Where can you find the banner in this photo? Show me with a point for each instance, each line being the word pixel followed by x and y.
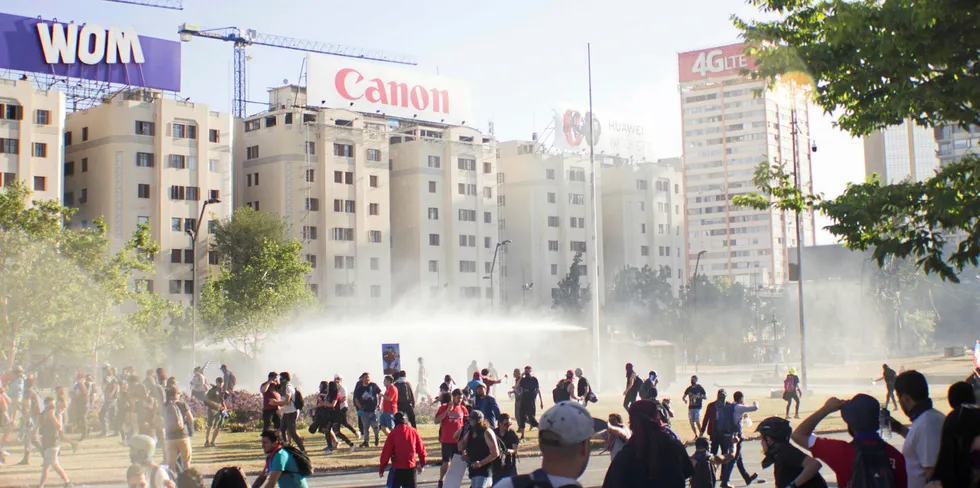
pixel 391 358
pixel 614 135
pixel 89 52
pixel 716 62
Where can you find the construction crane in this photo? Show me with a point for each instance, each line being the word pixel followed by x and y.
pixel 170 4
pixel 252 37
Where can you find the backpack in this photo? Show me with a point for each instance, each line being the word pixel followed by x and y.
pixel 499 462
pixel 302 460
pixel 560 393
pixel 173 419
pixel 298 400
pixel 537 479
pixel 405 396
pixel 704 475
pixel 725 420
pixel 872 467
pixel 789 386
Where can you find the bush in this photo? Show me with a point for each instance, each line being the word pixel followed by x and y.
pixel 244 407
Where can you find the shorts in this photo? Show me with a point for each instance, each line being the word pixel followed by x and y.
pixel 50 456
pixel 694 415
pixel 449 449
pixel 215 419
pixel 387 420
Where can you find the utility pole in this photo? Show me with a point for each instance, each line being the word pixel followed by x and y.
pixel 595 232
pixel 795 131
pixel 193 233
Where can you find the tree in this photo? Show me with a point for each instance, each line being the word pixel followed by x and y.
pixel 879 64
pixel 571 297
pixel 254 293
pixel 644 299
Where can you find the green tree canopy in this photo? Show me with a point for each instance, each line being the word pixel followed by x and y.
pixel 644 300
pixel 571 298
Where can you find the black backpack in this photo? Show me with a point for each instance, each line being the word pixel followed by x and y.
pixel 560 393
pixel 302 460
pixel 298 400
pixel 405 396
pixel 537 479
pixel 872 467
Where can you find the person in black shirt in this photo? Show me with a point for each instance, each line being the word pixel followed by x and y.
pixel 447 386
pixel 530 390
pixel 215 401
pixel 652 457
pixel 506 464
pixel 366 396
pixel 889 376
pixel 479 445
pixel 584 389
pixel 694 395
pixel 791 466
pixel 633 384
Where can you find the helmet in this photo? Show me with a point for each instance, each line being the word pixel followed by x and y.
pixel 142 444
pixel 775 427
pixel 792 370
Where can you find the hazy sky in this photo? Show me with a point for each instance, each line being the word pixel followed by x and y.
pixel 521 58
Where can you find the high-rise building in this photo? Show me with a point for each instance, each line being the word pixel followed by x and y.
pixel 444 197
pixel 325 171
pixel 139 158
pixel 954 142
pixel 546 213
pixel 899 152
pixel 731 123
pixel 31 124
pixel 642 218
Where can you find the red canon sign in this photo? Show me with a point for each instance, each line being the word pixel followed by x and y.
pixel 352 86
pixel 713 63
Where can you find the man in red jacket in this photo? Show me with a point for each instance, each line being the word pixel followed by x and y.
pixel 401 447
pixel 708 423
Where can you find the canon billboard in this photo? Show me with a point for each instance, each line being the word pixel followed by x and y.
pixel 364 86
pixel 614 135
pixel 89 52
pixel 715 62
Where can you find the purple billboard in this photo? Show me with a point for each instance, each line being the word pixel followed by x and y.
pixel 88 51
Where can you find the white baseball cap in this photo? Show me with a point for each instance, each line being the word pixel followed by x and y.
pixel 566 424
pixel 337 377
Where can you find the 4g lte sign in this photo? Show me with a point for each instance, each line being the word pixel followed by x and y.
pixel 712 63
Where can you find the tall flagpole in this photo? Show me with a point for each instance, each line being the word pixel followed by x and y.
pixel 596 289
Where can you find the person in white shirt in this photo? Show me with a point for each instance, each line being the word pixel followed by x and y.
pixel 922 437
pixel 289 413
pixel 343 406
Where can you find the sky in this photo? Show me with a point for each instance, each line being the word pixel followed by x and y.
pixel 520 58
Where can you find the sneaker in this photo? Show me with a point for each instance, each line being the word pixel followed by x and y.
pixel 365 444
pixel 797 417
pixel 753 478
pixel 328 451
pixel 352 448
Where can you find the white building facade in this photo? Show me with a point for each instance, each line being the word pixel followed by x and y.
pixel 31 124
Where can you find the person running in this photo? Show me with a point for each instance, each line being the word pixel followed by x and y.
pixel 450 418
pixel 389 406
pixel 704 465
pixel 506 465
pixel 792 391
pixel 217 410
pixel 565 389
pixel 922 437
pixel 402 446
pixel 584 389
pixel 649 387
pixel 889 376
pixel 617 435
pixel 422 385
pixel 479 446
pixel 791 466
pixel 711 419
pixel 633 384
pixel 337 416
pixel 515 393
pixel 530 391
pixel 289 411
pixel 177 424
pixel 281 468
pixel 199 384
pixel 861 414
pixel 80 405
pixel 489 378
pixel 487 405
pixel 652 457
pixel 566 430
pixel 343 408
pixel 270 402
pixel 50 429
pixel 406 397
pixel 694 395
pixel 738 411
pixel 323 416
pixel 366 399
pixel 110 391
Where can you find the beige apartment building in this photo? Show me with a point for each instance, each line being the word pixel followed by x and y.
pixel 141 158
pixel 325 171
pixel 906 151
pixel 31 123
pixel 727 131
pixel 546 213
pixel 955 142
pixel 643 218
pixel 444 217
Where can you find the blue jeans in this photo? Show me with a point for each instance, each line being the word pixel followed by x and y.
pixel 480 482
pixel 369 420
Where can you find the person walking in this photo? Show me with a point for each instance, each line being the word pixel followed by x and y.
pixel 406 397
pixel 923 436
pixel 450 418
pixel 711 418
pixel 566 430
pixel 506 465
pixel 792 391
pixel 31 412
pixel 366 399
pixel 694 395
pixel 229 381
pixel 889 376
pixel 217 411
pixel 422 385
pixel 323 415
pixel 487 405
pixel 343 407
pixel 50 429
pixel 530 391
pixel 633 385
pixel 199 384
pixel 565 389
pixel 479 446
pixel 584 389
pixel 178 425
pixel 653 457
pixel 791 466
pixel 389 406
pixel 79 406
pixel 738 410
pixel 282 469
pixel 515 393
pixel 289 411
pixel 649 387
pixel 402 446
pixel 270 402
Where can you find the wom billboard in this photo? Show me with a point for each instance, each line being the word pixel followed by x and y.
pixel 614 135
pixel 714 62
pixel 89 52
pixel 364 86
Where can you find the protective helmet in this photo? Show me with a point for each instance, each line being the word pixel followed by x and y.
pixel 143 443
pixel 776 428
pixel 792 370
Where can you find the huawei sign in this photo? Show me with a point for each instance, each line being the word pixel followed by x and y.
pixel 376 88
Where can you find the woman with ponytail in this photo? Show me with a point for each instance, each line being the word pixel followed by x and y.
pixel 653 457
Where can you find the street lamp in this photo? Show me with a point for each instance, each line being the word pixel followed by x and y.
pixel 493 265
pixel 194 233
pixel 692 286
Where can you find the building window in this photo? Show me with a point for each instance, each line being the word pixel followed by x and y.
pixel 375 264
pixel 643 228
pixel 42 117
pixel 660 228
pixel 677 188
pixel 145 128
pixel 644 250
pixel 310 175
pixel 466 164
pixel 314 288
pixel 193 193
pixel 214 135
pixel 144 160
pixel 213 258
pixel 467 266
pixel 373 181
pixel 313 204
pixel 501 200
pixel 214 195
pixel 69 168
pixel 188 256
pixel 178 192
pixel 309 232
pixel 311 258
pixel 184 131
pixel 487 192
pixel 251 125
pixel 467 215
pixel 552 198
pixel 142 191
pixel 549 174
pixel 311 148
pixel 432 187
pixel 487 218
pixel 40 183
pixel 487 168
pixel 433 239
pixel 175 255
pixel 9 146
pixel 13 112
pixel 348 178
pixel 554 270
pixel 374 236
pixel 252 152
pixel 576 174
pixel 270 121
pixel 9 179
pixel 84 134
pixel 374 154
pixel 84 165
pixel 338 176
pixel 374 209
pixel 178 161
pixel 141 220
pixel 576 222
pixel 338 262
pixel 69 199
pixel 433 213
pixel 40 150
pixel 342 234
pixel 577 246
pixel 553 221
pixel 288 119
pixel 66 138
pixel 576 199
pixel 467 240
pixel 553 245
pixel 433 266
pixel 435 162
pixel 175 286
pixel 641 184
pixel 190 224
pixel 82 198
pixel 213 165
pixel 188 287
pixel 344 206
pixel 343 150
pixel 375 291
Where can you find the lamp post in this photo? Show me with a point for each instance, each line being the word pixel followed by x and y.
pixel 493 265
pixel 692 285
pixel 194 233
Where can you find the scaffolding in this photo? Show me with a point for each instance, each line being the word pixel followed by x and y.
pixel 82 94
